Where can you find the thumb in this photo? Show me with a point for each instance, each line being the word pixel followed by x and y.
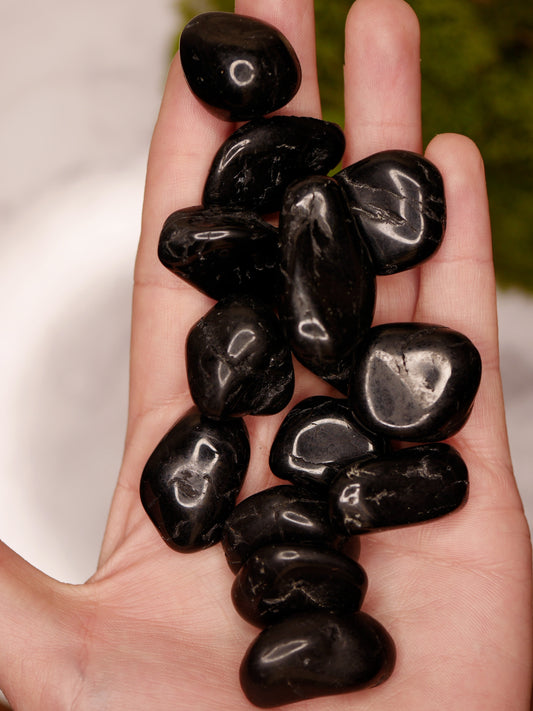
pixel 40 649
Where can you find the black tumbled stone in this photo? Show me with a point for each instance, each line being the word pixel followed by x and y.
pixel 238 362
pixel 414 382
pixel 406 487
pixel 238 66
pixel 282 514
pixel 328 291
pixel 255 165
pixel 397 200
pixel 317 434
pixel 222 252
pixel 191 481
pixel 316 654
pixel 279 580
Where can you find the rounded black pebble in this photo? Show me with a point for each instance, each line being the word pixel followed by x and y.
pixel 222 252
pixel 409 486
pixel 281 514
pixel 279 580
pixel 414 382
pixel 239 67
pixel 316 654
pixel 398 203
pixel 328 290
pixel 191 481
pixel 238 361
pixel 254 166
pixel 317 434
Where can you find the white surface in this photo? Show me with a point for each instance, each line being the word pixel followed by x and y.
pixel 515 318
pixel 77 108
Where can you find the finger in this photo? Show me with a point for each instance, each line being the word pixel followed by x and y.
pixel 382 78
pixel 37 635
pixel 382 109
pixel 164 307
pixel 186 137
pixel 185 140
pixel 458 289
pixel 457 286
pixel 296 20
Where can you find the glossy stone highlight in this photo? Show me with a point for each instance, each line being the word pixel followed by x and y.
pixel 414 382
pixel 316 654
pixel 238 362
pixel 239 67
pixel 397 200
pixel 279 580
pixel 222 252
pixel 409 486
pixel 318 433
pixel 191 481
pixel 328 292
pixel 282 515
pixel 255 165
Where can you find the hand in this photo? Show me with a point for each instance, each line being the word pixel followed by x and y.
pixel 155 629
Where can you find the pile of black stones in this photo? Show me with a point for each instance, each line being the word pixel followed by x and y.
pixel 304 289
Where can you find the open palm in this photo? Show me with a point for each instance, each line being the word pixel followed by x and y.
pixel 154 629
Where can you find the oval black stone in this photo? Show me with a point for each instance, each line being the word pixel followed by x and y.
pixel 414 382
pixel 238 362
pixel 222 252
pixel 317 434
pixel 316 654
pixel 238 66
pixel 406 487
pixel 254 166
pixel 281 514
pixel 328 295
pixel 191 481
pixel 280 580
pixel 397 200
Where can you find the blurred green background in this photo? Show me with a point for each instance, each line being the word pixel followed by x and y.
pixel 477 79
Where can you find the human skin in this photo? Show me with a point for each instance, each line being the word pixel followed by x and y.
pixel 155 629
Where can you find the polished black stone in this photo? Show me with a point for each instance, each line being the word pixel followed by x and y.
pixel 327 299
pixel 414 382
pixel 397 200
pixel 259 160
pixel 279 580
pixel 317 434
pixel 316 654
pixel 409 486
pixel 238 66
pixel 191 481
pixel 238 362
pixel 282 514
pixel 222 252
